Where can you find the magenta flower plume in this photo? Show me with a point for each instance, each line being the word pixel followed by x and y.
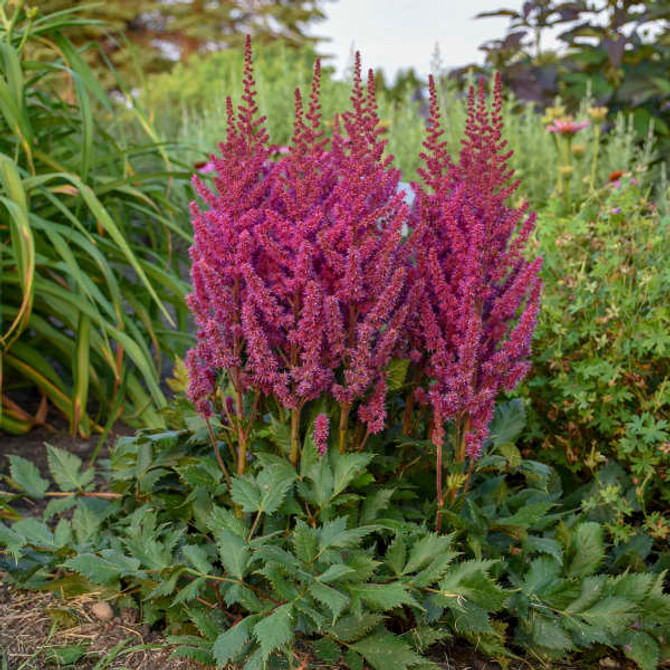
pixel 321 432
pixel 299 268
pixel 567 126
pixel 480 295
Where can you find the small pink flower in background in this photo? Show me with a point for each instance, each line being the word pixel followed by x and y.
pixel 320 434
pixel 203 167
pixel 566 126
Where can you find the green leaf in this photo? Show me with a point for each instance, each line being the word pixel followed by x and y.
pixel 425 550
pixel 228 646
pixel 641 648
pixel 396 555
pixel 334 573
pixel 396 373
pixel 383 597
pixel 305 542
pixel 246 494
pixel 508 422
pixel 612 614
pixel 273 484
pixel 335 600
pixel 103 569
pixel 384 651
pixel 35 532
pixel 589 549
pixel 233 552
pixel 547 633
pixel 87 519
pixel 276 630
pixel 65 468
pixel 27 477
pixel 345 469
pixel 197 558
pixel 12 541
pixel 351 628
pixel 373 504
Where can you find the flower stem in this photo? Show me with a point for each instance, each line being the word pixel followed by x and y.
pixel 344 420
pixel 295 436
pixel 438 486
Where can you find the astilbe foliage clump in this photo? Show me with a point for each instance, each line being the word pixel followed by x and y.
pixel 306 289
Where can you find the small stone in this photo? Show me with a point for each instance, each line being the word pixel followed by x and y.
pixel 102 611
pixel 608 662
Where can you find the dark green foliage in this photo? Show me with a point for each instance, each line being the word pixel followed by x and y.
pixel 314 556
pixel 618 49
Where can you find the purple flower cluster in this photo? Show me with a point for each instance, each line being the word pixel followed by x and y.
pixel 480 296
pixel 302 282
pixel 299 271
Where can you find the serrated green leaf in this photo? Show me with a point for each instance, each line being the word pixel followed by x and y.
pixel 27 477
pixel 334 573
pixel 396 555
pixel 589 549
pixel 233 552
pixel 373 504
pixel 592 587
pixel 103 569
pixel 273 485
pixel 246 494
pixel 425 550
pixel 508 422
pixel 305 542
pixel 346 467
pixel 11 541
pixel 228 645
pixel 396 373
pixel 335 600
pixel 383 597
pixel 384 651
pixel 547 633
pixel 275 631
pixel 65 468
pixel 87 519
pixel 35 532
pixel 351 628
pixel 612 614
pixel 197 558
pixel 221 518
pixel 641 648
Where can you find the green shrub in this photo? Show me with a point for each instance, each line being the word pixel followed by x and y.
pixel 90 229
pixel 599 387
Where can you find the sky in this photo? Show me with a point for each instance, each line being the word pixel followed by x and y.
pixel 397 34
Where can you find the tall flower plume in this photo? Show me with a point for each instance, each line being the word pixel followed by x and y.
pixel 480 295
pixel 299 270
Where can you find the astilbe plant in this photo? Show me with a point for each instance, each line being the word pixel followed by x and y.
pixel 303 282
pixel 299 270
pixel 480 295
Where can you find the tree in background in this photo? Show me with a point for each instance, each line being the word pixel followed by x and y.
pixel 165 31
pixel 622 47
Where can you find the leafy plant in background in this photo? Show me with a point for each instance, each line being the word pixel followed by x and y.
pixel 599 389
pixel 89 241
pixel 616 48
pixel 148 36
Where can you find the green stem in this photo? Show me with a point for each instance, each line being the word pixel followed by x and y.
pixel 344 420
pixel 295 436
pixel 594 162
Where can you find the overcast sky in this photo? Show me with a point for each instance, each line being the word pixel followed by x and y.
pixel 395 34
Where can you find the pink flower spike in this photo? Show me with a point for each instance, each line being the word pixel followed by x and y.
pixel 321 432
